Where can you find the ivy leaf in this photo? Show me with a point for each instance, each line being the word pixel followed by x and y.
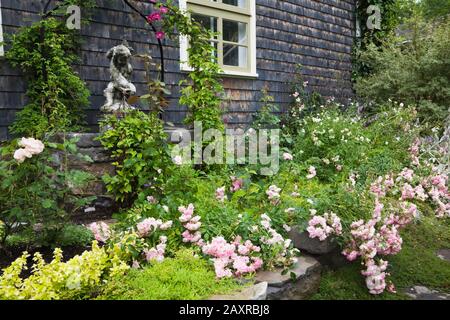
pixel 47 203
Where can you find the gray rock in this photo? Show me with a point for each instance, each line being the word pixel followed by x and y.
pixel 86 140
pixel 424 293
pixel 96 169
pixel 98 155
pixel 255 292
pixel 334 259
pixel 444 254
pixel 302 241
pixel 306 280
pixel 92 188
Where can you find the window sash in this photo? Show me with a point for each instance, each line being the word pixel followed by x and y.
pixel 222 6
pixel 218 9
pixel 231 16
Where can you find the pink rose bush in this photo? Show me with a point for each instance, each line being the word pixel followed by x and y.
pixel 100 230
pixel 380 235
pixel 276 250
pixel 156 254
pixel 371 239
pixel 192 225
pixel 233 259
pixel 273 194
pixel 236 184
pixel 311 173
pixel 220 194
pixel 322 227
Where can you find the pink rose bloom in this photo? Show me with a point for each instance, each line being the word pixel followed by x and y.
pixel 193 226
pixel 220 194
pixel 236 184
pixel 166 225
pixel 187 211
pixel 407 192
pixel 312 172
pixel 243 250
pixel 160 35
pixel 100 231
pixel 288 156
pixel 155 16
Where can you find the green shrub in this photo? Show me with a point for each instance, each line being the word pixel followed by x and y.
pixel 138 145
pixel 77 278
pixel 416 72
pixel 35 194
pixel 201 90
pixel 70 235
pixel 45 52
pixel 184 277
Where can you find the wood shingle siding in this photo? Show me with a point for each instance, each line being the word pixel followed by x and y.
pixel 317 34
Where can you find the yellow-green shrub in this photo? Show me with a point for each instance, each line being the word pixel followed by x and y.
pixel 77 278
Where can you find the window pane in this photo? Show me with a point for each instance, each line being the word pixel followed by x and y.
pixel 234 55
pixel 237 3
pixel 234 31
pixel 210 23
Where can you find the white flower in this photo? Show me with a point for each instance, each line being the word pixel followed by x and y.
pixel 288 156
pixel 178 160
pixel 21 154
pixel 32 145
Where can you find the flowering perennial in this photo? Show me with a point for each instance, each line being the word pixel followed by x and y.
pixel 322 227
pixel 29 148
pixel 156 254
pixel 273 193
pixel 192 224
pixel 233 259
pixel 100 230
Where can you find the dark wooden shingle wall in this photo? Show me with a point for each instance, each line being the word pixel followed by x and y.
pixel 318 34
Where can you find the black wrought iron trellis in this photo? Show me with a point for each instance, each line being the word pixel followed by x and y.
pixel 48 13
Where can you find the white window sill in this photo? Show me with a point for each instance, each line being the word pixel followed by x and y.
pixel 229 74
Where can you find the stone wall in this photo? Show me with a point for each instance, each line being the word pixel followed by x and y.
pixel 104 206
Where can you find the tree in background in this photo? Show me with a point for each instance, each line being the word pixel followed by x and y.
pixel 432 9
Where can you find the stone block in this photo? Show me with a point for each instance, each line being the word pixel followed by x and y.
pixel 306 281
pixel 303 242
pixel 253 293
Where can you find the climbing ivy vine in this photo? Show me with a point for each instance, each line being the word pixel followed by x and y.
pixel 201 91
pixel 45 52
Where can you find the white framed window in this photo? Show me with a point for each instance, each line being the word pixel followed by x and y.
pixel 2 51
pixel 235 23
